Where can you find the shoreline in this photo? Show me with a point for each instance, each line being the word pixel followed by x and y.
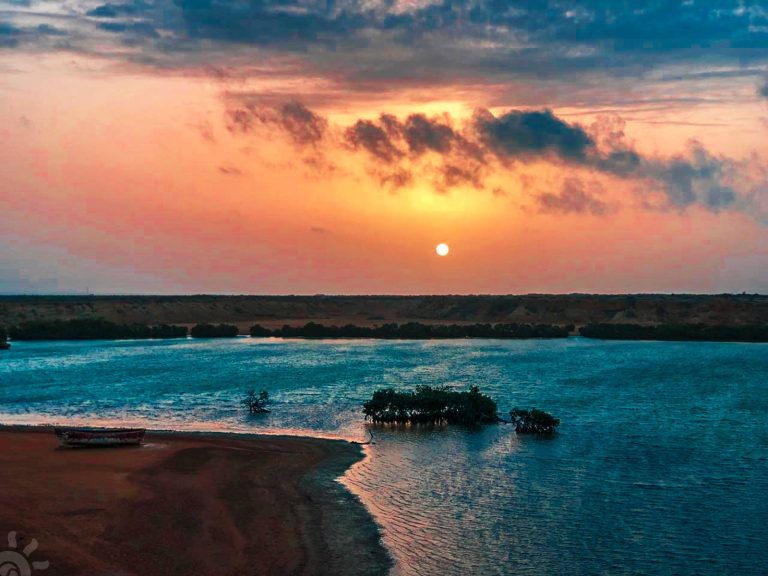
pixel 188 502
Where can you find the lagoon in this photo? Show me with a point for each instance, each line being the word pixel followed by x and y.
pixel 660 465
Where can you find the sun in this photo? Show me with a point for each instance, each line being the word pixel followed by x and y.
pixel 442 249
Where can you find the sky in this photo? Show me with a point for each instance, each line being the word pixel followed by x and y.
pixel 303 147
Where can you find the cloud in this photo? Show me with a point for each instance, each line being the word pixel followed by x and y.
pixel 572 198
pixel 518 134
pixel 304 127
pixel 394 179
pixel 762 90
pixel 369 136
pixel 118 10
pixel 230 170
pixel 381 45
pixel 453 176
pixel 12 36
pixel 423 134
pixel 469 154
pixel 698 177
pixel 9 35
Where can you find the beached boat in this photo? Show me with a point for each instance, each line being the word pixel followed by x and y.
pixel 100 436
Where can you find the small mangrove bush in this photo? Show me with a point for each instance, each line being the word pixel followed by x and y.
pixel 256 403
pixel 430 405
pixel 533 421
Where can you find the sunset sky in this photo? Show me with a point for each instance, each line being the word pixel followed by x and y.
pixel 301 147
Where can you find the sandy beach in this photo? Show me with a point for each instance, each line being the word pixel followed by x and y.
pixel 186 504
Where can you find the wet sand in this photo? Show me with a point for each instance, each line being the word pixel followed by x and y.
pixel 186 504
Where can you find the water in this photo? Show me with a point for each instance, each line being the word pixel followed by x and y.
pixel 660 467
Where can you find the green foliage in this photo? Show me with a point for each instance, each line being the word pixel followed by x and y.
pixel 431 405
pixel 214 331
pixel 256 403
pixel 415 331
pixel 92 329
pixel 533 421
pixel 678 332
pixel 258 331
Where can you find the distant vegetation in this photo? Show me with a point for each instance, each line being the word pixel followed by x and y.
pixel 430 405
pixel 687 332
pixel 256 403
pixel 214 331
pixel 92 329
pixel 415 331
pixel 533 421
pixel 3 339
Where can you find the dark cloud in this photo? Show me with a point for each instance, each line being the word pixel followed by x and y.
pixel 295 24
pixel 698 177
pixel 762 90
pixel 135 29
pixel 519 134
pixel 10 35
pixel 423 134
pixel 383 45
pixel 572 198
pixel 303 126
pixel 118 10
pixel 467 155
pixel 389 138
pixel 454 176
pixel 371 137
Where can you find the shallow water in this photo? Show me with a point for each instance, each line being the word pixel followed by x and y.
pixel 660 467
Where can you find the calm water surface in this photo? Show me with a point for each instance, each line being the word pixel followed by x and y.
pixel 661 465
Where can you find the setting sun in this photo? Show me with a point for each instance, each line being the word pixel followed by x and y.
pixel 442 249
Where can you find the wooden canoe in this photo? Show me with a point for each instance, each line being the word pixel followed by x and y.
pixel 100 436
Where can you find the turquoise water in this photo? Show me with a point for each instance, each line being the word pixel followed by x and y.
pixel 661 465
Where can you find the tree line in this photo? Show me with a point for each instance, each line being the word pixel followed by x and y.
pixel 101 329
pixel 415 331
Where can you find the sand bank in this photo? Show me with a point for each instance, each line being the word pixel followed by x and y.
pixel 186 504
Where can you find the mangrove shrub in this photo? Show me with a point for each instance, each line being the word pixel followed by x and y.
pixel 430 405
pixel 533 421
pixel 256 403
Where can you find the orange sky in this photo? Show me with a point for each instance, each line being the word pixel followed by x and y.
pixel 119 177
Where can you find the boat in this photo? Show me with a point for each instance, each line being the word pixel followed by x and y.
pixel 100 436
pixel 4 345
